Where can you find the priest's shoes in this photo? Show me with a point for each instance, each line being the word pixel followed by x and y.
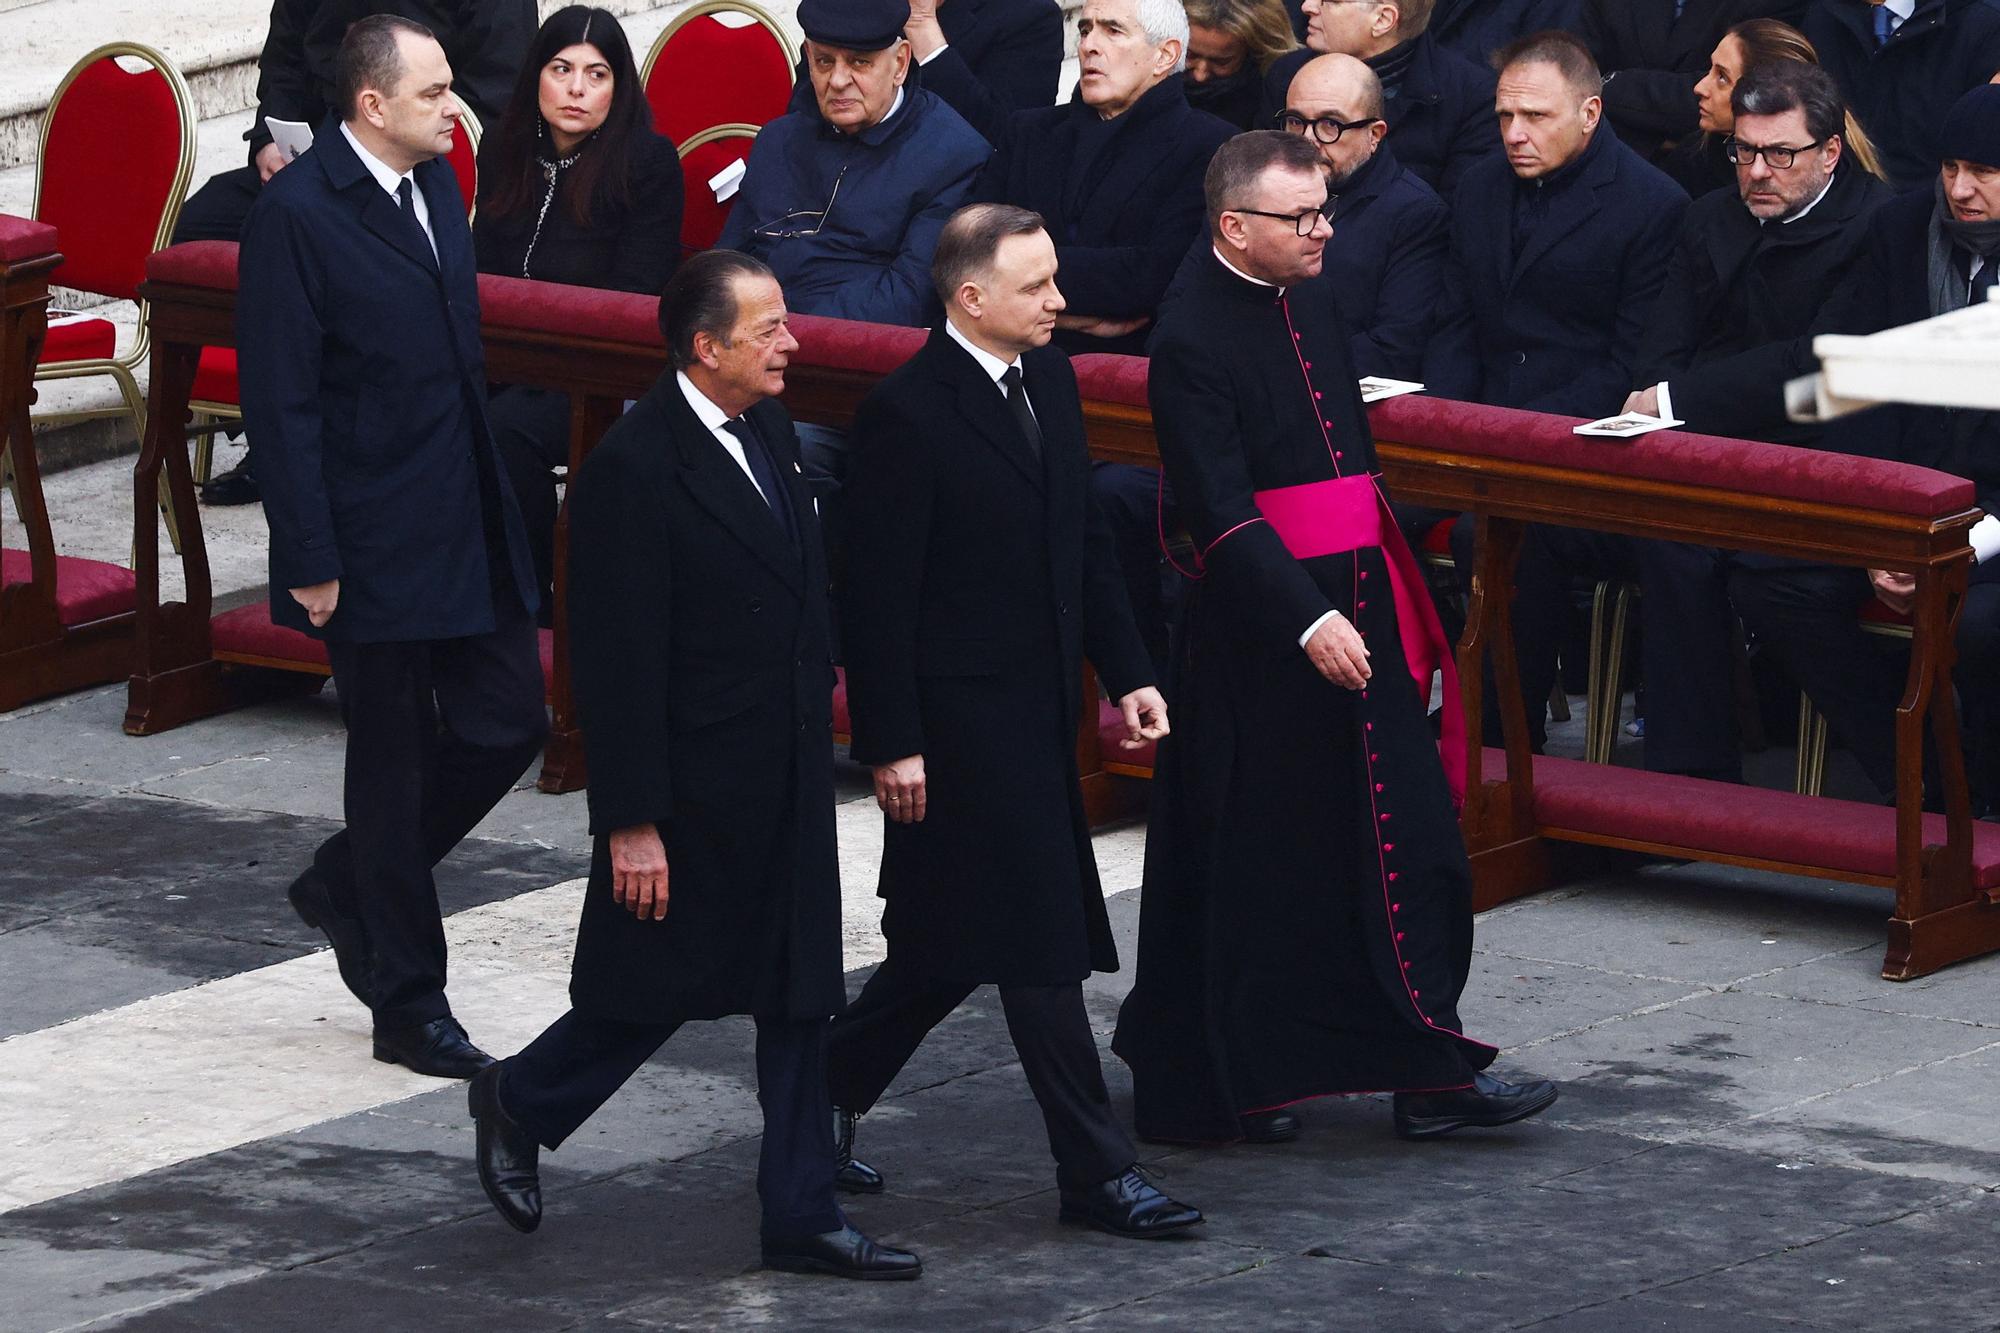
pixel 313 901
pixel 1270 1127
pixel 509 1169
pixel 849 1175
pixel 1128 1205
pixel 439 1048
pixel 842 1253
pixel 1486 1104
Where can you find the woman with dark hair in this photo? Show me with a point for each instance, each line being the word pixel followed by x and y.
pixel 574 187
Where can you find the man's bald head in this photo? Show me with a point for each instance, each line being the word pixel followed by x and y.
pixel 1336 102
pixel 1337 80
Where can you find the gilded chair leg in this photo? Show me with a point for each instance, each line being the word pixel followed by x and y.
pixel 1558 702
pixel 1610 606
pixel 1809 773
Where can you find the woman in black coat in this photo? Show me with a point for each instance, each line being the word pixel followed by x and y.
pixel 574 187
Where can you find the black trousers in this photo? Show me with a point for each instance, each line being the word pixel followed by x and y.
pixel 870 1043
pixel 531 434
pixel 437 732
pixel 574 1067
pixel 1137 504
pixel 217 210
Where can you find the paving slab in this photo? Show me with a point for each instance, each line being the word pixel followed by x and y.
pixel 84 738
pixel 59 1286
pixel 315 1301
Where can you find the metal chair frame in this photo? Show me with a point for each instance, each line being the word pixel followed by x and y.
pixel 707 7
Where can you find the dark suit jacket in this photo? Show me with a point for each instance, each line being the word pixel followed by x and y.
pixel 977 580
pixel 485 40
pixel 1476 29
pixel 1440 120
pixel 1741 295
pixel 1386 264
pixel 364 384
pixel 1122 221
pixel 698 637
pixel 1652 61
pixel 1558 327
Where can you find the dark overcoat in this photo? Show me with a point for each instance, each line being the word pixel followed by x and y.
pixel 698 642
pixel 1440 118
pixel 1901 90
pixel 1739 296
pixel 1554 324
pixel 1386 264
pixel 1476 29
pixel 364 386
pixel 1306 927
pixel 977 581
pixel 1122 218
pixel 1653 60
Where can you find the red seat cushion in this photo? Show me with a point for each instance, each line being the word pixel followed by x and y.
pixel 843 723
pixel 215 377
pixel 86 590
pixel 1111 730
pixel 108 169
pixel 1874 613
pixel 1438 540
pixel 710 73
pixel 248 632
pixel 702 218
pixel 464 165
pixel 79 339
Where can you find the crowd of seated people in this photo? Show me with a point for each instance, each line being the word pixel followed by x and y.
pixel 1578 207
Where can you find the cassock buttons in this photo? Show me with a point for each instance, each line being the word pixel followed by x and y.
pixel 1364 573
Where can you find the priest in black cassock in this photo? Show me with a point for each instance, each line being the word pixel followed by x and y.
pixel 1306 927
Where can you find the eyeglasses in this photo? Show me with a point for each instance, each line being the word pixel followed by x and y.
pixel 1325 129
pixel 1303 223
pixel 778 228
pixel 1776 156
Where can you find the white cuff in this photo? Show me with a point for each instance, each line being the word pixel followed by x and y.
pixel 1313 628
pixel 925 60
pixel 1985 539
pixel 1666 398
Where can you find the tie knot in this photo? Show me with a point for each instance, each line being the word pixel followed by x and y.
pixel 738 427
pixel 1011 377
pixel 405 192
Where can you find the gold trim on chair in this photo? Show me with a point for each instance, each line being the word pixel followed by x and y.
pixel 734 129
pixel 687 16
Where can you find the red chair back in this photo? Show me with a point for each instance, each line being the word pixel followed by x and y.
pixel 720 63
pixel 464 154
pixel 706 154
pixel 116 154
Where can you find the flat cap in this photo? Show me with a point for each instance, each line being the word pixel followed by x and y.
pixel 857 25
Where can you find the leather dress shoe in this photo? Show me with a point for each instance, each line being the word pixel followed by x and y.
pixel 849 1175
pixel 439 1048
pixel 1127 1205
pixel 508 1155
pixel 313 901
pixel 1486 1104
pixel 238 486
pixel 1270 1127
pixel 842 1253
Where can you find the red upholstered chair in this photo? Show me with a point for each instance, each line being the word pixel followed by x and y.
pixel 464 154
pixel 117 151
pixel 719 63
pixel 1809 777
pixel 702 214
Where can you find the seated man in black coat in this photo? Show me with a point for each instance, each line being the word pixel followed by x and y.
pixel 1926 253
pixel 1653 52
pixel 1559 252
pixel 1116 172
pixel 1476 29
pixel 1902 64
pixel 1439 105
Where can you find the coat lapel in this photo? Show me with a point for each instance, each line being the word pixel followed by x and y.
pixel 1574 208
pixel 719 486
pixel 981 405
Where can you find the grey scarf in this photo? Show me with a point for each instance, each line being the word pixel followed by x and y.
pixel 1949 289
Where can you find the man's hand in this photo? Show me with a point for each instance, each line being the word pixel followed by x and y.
pixel 1101 328
pixel 899 789
pixel 1645 400
pixel 639 871
pixel 270 160
pixel 1337 651
pixel 1895 590
pixel 1145 717
pixel 922 31
pixel 319 600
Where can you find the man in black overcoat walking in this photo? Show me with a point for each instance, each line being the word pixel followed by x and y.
pixel 976 583
pixel 394 537
pixel 698 629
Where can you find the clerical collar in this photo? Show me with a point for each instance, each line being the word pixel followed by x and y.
pixel 1217 252
pixel 991 364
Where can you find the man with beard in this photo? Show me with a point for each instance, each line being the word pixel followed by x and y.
pixel 1306 927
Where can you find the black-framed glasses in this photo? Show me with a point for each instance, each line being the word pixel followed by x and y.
pixel 1303 223
pixel 1323 128
pixel 1776 156
pixel 801 221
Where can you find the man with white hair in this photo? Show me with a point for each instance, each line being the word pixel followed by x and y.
pixel 1116 172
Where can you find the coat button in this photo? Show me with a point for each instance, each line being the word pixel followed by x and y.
pixel 756 605
pixel 1062 608
pixel 1520 358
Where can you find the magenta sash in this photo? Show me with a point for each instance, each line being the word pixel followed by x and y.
pixel 1346 514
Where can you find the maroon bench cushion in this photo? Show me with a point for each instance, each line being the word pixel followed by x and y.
pixel 195 264
pixel 846 344
pixel 24 238
pixel 248 632
pixel 86 590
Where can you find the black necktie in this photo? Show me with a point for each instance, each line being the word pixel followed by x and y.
pixel 766 473
pixel 406 199
pixel 1024 416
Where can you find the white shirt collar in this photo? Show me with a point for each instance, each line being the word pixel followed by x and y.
pixel 1902 9
pixel 1241 274
pixel 991 364
pixel 1824 191
pixel 705 411
pixel 384 175
pixel 894 107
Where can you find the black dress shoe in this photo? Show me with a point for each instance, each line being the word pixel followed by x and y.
pixel 313 901
pixel 1484 1105
pixel 849 1175
pixel 238 486
pixel 439 1048
pixel 842 1253
pixel 1127 1205
pixel 1270 1127
pixel 508 1155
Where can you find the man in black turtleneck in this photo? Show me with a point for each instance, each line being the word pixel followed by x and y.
pixel 1116 173
pixel 1438 106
